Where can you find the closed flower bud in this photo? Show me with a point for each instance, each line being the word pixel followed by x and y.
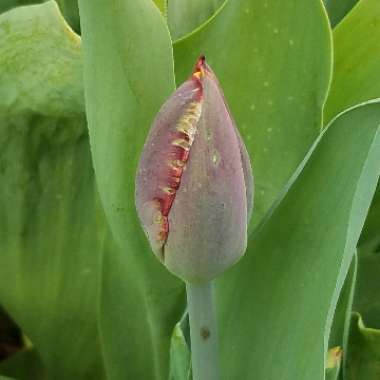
pixel 194 186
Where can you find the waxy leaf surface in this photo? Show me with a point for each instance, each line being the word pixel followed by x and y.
pixel 50 237
pixel 128 74
pixel 294 279
pixel 356 59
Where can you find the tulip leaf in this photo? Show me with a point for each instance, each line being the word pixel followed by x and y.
pixel 51 229
pixel 186 15
pixel 286 288
pixel 277 108
pixel 356 59
pixel 27 35
pixel 128 74
pixel 363 361
pixel 338 9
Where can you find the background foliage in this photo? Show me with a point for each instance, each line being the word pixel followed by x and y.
pixel 82 296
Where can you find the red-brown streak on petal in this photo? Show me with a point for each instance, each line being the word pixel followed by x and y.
pixel 176 153
pixel 173 178
pixel 164 157
pixel 165 164
pixel 182 135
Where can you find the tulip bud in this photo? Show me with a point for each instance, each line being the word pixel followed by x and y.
pixel 194 187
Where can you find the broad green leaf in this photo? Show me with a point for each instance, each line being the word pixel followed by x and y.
pixel 363 361
pixel 277 303
pixel 356 59
pixel 51 231
pixel 272 59
pixel 28 35
pixel 128 73
pixel 186 15
pixel 338 9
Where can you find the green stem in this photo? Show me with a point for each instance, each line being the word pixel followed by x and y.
pixel 203 332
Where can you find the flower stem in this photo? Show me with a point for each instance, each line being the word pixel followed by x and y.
pixel 203 334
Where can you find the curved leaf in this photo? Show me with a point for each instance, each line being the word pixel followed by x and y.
pixel 28 36
pixel 277 302
pixel 128 73
pixel 50 235
pixel 356 59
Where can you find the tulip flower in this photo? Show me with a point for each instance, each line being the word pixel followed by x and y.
pixel 194 185
pixel 194 193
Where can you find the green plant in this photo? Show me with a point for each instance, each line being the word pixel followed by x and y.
pixel 76 271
